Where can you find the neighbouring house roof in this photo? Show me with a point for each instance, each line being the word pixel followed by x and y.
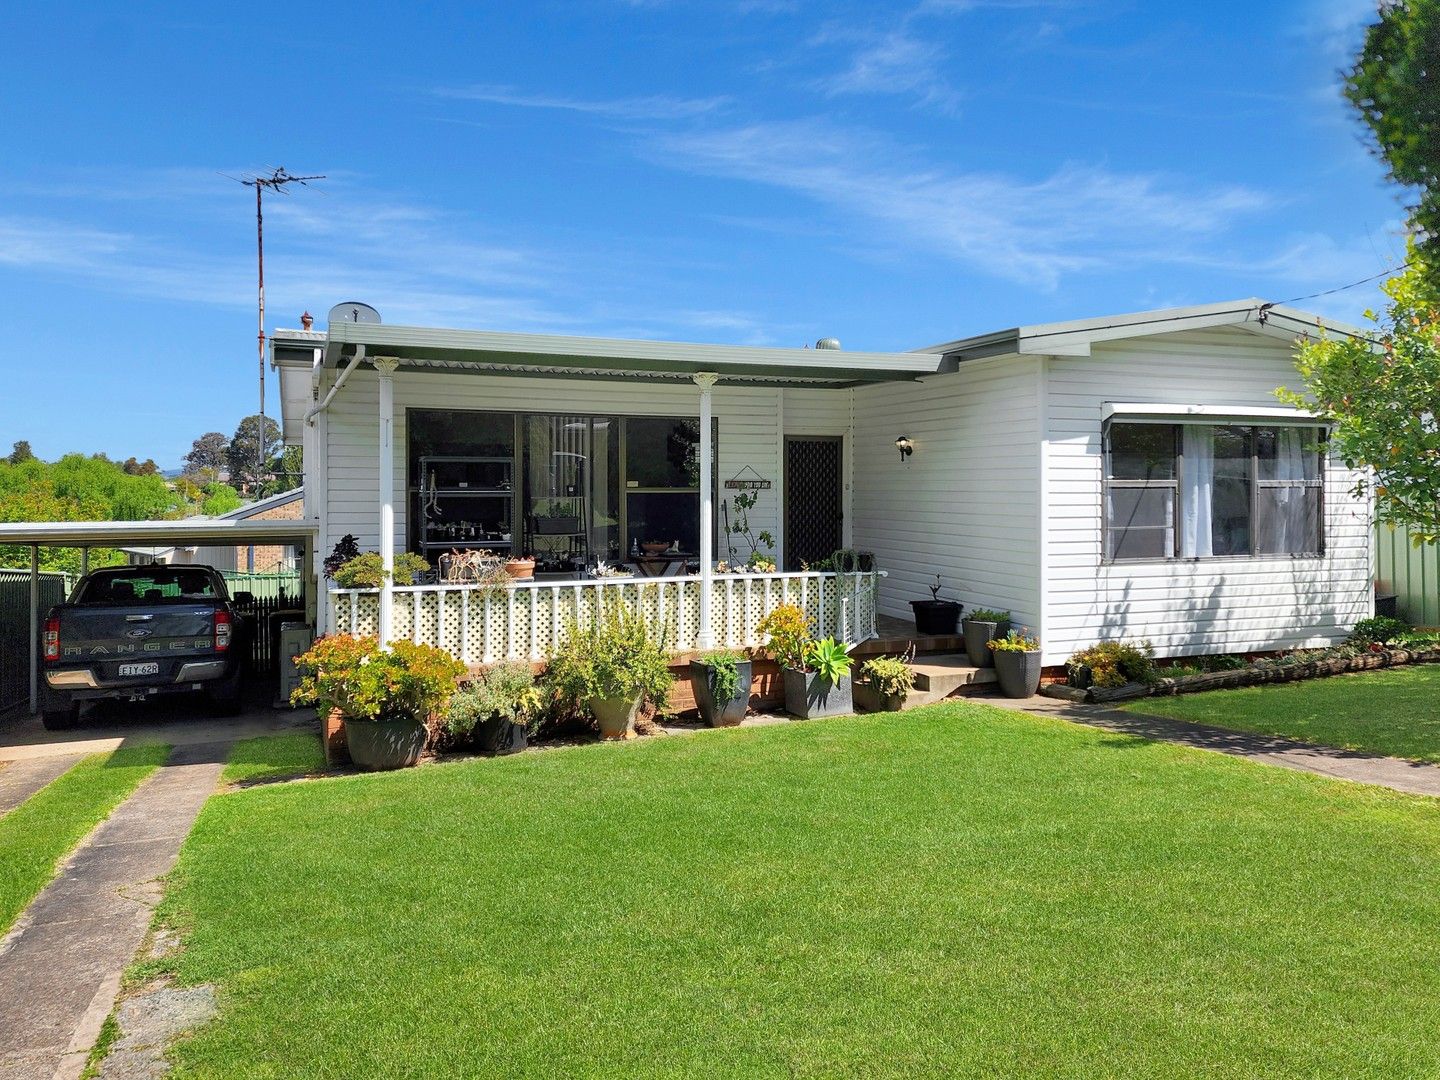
pixel 1074 338
pixel 259 506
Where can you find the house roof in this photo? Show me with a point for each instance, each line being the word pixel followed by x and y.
pixel 1075 337
pixel 259 506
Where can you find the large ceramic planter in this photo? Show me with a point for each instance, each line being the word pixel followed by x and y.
pixel 869 699
pixel 616 716
pixel 809 694
pixel 377 745
pixel 501 735
pixel 935 618
pixel 720 713
pixel 1018 672
pixel 977 633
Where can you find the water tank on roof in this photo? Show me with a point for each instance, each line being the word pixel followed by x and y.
pixel 828 343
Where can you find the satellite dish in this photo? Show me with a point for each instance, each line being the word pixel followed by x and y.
pixel 353 311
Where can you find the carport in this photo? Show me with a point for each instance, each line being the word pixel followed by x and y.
pixel 84 535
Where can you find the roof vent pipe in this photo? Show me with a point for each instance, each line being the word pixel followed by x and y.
pixel 828 343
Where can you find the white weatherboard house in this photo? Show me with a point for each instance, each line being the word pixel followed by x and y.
pixel 1128 476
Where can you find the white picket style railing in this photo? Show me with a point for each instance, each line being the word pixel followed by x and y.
pixel 529 622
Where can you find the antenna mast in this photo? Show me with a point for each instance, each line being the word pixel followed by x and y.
pixel 276 181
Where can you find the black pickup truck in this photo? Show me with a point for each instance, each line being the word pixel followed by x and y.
pixel 132 632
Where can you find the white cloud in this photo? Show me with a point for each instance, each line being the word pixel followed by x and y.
pixel 1029 230
pixel 651 107
pixel 893 62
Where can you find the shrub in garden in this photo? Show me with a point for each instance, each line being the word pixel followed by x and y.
pixel 1379 631
pixel 364 682
pixel 615 657
pixel 505 690
pixel 1112 663
pixel 787 635
pixel 367 571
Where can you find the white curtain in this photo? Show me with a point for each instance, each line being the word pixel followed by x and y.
pixel 1287 530
pixel 1197 490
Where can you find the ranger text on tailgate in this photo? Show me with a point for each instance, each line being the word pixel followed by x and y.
pixel 131 632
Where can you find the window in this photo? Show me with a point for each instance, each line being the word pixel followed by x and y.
pixel 1195 491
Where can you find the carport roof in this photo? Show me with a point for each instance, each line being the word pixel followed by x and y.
pixel 166 533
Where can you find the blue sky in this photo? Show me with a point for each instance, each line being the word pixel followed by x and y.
pixel 752 171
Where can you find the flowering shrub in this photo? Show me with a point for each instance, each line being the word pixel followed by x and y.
pixel 1112 663
pixel 787 633
pixel 355 676
pixel 1014 641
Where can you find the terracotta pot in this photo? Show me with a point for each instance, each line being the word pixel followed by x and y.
pixel 616 716
pixel 520 569
pixel 654 547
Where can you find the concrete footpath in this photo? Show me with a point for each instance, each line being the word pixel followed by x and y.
pixel 60 965
pixel 1412 777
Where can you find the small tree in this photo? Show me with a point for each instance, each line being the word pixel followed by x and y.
pixel 207 456
pixel 1382 397
pixel 21 453
pixel 252 445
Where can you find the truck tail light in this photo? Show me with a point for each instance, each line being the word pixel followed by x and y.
pixel 52 638
pixel 222 631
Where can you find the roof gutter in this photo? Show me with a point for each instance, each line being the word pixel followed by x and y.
pixel 316 410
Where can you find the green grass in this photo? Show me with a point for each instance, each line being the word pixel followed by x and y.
pixel 1382 712
pixel 270 757
pixel 962 891
pixel 40 832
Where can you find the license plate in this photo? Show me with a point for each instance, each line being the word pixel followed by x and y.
pixel 140 669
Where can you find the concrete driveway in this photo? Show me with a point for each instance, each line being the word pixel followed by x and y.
pixel 180 720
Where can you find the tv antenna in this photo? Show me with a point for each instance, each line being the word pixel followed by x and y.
pixel 276 181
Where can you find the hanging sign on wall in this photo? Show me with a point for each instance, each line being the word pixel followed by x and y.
pixel 753 482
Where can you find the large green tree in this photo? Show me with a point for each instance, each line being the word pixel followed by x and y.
pixel 207 457
pixel 1381 395
pixel 1395 83
pixel 252 450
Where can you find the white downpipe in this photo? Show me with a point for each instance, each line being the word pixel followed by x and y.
pixel 34 628
pixel 706 638
pixel 316 410
pixel 386 366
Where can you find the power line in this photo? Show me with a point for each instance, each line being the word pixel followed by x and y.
pixel 1343 288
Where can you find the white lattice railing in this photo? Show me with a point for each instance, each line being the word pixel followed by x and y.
pixel 529 623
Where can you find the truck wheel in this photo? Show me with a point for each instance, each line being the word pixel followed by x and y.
pixel 225 698
pixel 62 719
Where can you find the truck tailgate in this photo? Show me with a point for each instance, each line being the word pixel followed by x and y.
pixel 111 639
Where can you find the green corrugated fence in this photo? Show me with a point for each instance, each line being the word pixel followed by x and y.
pixel 1411 573
pixel 264 586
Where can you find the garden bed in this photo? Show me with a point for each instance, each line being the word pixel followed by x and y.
pixel 1265 671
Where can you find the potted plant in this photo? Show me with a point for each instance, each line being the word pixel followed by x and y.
pixel 886 684
pixel 561 518
pixel 386 698
pixel 611 667
pixel 497 709
pixel 936 617
pixel 721 682
pixel 1017 663
pixel 816 673
pixel 367 571
pixel 982 626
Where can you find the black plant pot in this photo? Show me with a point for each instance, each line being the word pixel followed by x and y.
pixel 501 735
pixel 723 713
pixel 1018 673
pixel 936 618
pixel 977 634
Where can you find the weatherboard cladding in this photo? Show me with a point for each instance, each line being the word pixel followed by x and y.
pixel 1190 607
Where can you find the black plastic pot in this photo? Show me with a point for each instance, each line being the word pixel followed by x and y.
pixel 936 618
pixel 724 713
pixel 809 694
pixel 977 633
pixel 376 745
pixel 1018 672
pixel 501 735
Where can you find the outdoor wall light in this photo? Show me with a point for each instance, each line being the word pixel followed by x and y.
pixel 905 446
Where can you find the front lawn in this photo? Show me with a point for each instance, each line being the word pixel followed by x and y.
pixel 274 757
pixel 1381 712
pixel 960 890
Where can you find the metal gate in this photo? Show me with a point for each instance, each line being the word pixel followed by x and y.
pixel 814 497
pixel 15 630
